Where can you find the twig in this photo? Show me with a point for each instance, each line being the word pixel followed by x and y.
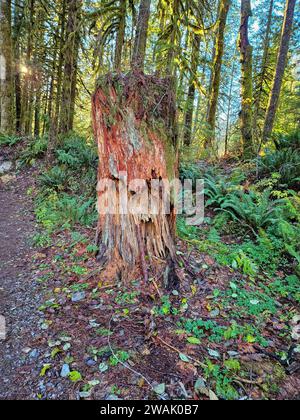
pixel 120 361
pixel 203 365
pixel 156 287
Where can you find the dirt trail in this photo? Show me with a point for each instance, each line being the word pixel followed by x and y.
pixel 18 291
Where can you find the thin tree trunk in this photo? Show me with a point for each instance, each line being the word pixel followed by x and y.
pixel 6 63
pixel 70 58
pixel 18 19
pixel 216 73
pixel 229 107
pixel 247 81
pixel 120 35
pixel 27 102
pixel 280 69
pixel 60 64
pixel 262 81
pixel 140 44
pixel 191 92
pixel 170 65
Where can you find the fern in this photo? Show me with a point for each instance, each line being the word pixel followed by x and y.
pixel 257 212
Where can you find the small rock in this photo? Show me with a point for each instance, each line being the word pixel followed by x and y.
pixel 6 179
pixel 65 371
pixel 112 398
pixel 5 167
pixel 34 354
pixel 215 313
pixel 90 362
pixel 213 353
pixel 77 297
pixel 233 354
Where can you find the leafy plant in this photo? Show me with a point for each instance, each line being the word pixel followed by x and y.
pixel 256 211
pixel 35 150
pixel 10 141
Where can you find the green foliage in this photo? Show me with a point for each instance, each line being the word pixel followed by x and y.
pixel 75 152
pixel 189 171
pixel 55 178
pixel 285 161
pixel 255 211
pixel 287 288
pixel 223 378
pixel 36 149
pixel 9 140
pixel 55 211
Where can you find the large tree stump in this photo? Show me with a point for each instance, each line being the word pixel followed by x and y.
pixel 134 119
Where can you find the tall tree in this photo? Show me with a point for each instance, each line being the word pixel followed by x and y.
pixel 120 34
pixel 264 72
pixel 280 69
pixel 71 50
pixel 6 74
pixel 247 80
pixel 191 91
pixel 18 22
pixel 216 73
pixel 140 43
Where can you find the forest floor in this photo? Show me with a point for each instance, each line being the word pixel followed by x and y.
pixel 72 334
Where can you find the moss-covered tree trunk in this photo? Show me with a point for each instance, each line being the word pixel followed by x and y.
pixel 6 77
pixel 247 81
pixel 134 120
pixel 71 49
pixel 216 72
pixel 191 92
pixel 280 68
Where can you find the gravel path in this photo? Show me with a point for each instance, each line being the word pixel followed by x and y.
pixel 19 294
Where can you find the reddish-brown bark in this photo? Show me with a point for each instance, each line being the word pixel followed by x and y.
pixel 134 124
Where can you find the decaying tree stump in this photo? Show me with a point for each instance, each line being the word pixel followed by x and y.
pixel 134 119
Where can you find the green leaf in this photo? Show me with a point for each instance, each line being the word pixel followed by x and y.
pixel 184 358
pixel 75 376
pixel 194 340
pixel 103 367
pixel 160 389
pixel 45 370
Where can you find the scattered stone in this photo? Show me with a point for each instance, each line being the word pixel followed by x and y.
pixel 90 362
pixel 34 354
pixel 213 353
pixel 215 313
pixel 65 371
pixel 5 167
pixel 112 398
pixel 233 354
pixel 78 297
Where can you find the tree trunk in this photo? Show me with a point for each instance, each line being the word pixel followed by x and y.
pixel 120 35
pixel 264 71
pixel 247 81
pixel 27 96
pixel 280 69
pixel 134 119
pixel 70 69
pixel 230 99
pixel 18 20
pixel 140 44
pixel 216 72
pixel 6 77
pixel 60 64
pixel 191 92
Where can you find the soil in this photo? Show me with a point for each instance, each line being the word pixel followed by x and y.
pixel 19 292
